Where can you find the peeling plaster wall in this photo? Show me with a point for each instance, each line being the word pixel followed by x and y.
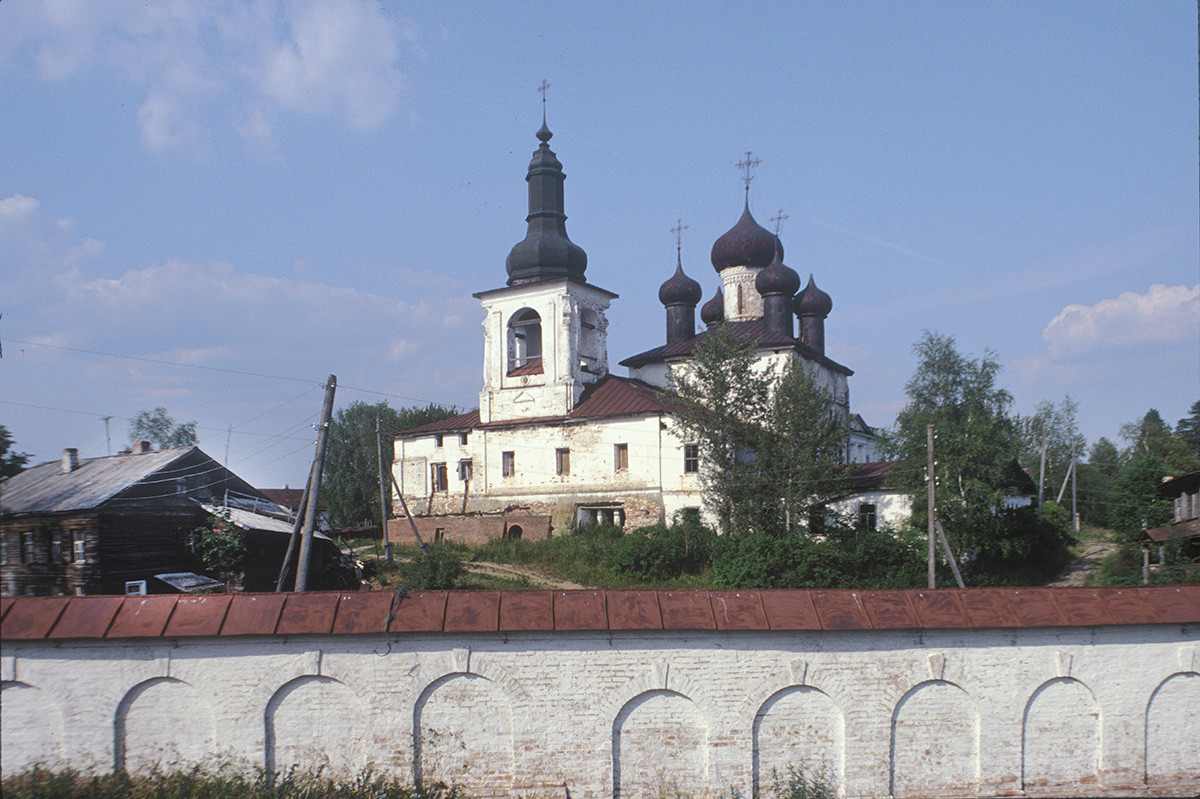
pixel 1036 712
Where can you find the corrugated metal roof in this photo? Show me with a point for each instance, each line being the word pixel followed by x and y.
pixel 464 422
pixel 318 613
pixel 618 396
pixel 46 488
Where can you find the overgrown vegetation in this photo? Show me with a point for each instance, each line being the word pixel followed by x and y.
pixel 161 430
pixel 224 782
pixel 221 546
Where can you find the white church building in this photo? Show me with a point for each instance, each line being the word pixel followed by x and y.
pixel 560 440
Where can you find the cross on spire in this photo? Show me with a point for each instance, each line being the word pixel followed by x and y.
pixel 678 231
pixel 778 219
pixel 542 91
pixel 748 165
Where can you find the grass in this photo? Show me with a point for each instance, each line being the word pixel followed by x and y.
pixel 224 782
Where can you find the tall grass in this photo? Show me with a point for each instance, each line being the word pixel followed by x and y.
pixel 220 783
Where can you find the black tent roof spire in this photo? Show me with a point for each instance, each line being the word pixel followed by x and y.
pixel 546 253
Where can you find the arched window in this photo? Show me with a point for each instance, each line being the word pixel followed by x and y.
pixel 525 341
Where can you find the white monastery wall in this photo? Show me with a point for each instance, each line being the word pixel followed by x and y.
pixel 1093 711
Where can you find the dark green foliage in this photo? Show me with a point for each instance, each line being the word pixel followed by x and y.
pixel 1135 503
pixel 849 558
pixel 217 783
pixel 1151 437
pixel 1028 551
pixel 438 570
pixel 661 552
pixel 797 783
pixel 771 444
pixel 1188 430
pixel 161 430
pixel 1063 442
pixel 350 480
pixel 10 462
pixel 220 544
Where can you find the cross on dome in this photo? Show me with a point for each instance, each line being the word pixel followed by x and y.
pixel 748 165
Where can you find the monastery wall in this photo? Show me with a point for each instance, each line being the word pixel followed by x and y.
pixel 1032 692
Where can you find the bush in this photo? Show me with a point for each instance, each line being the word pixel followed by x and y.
pixel 1029 550
pixel 438 570
pixel 659 552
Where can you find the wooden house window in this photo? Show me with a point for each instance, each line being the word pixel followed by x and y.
pixel 691 458
pixel 79 547
pixel 866 515
pixel 438 440
pixel 562 461
pixel 620 457
pixel 464 470
pixel 462 439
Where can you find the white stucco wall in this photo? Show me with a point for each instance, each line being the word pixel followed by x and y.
pixel 1032 712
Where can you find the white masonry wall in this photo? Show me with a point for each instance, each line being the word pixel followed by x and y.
pixel 1038 712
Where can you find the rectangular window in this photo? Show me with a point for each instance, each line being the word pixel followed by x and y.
pixel 866 515
pixel 135 588
pixel 438 440
pixel 464 470
pixel 462 439
pixel 78 545
pixel 27 547
pixel 562 461
pixel 691 458
pixel 438 476
pixel 56 547
pixel 620 457
pixel 439 533
pixel 3 548
pixel 508 463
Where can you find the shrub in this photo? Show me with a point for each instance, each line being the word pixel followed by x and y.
pixel 438 570
pixel 659 552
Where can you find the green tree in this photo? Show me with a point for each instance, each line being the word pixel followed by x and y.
pixel 1057 423
pixel 1096 479
pixel 771 444
pixel 350 478
pixel 221 546
pixel 161 430
pixel 976 442
pixel 10 462
pixel 1135 503
pixel 1188 430
pixel 1151 437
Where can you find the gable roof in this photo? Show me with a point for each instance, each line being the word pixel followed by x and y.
pixel 749 333
pixel 46 488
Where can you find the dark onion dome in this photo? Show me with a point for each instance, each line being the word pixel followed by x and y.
pixel 777 278
pixel 812 301
pixel 745 244
pixel 546 253
pixel 714 310
pixel 680 290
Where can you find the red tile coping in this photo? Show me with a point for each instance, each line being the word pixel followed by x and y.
pixel 361 613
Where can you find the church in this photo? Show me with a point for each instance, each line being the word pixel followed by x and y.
pixel 558 439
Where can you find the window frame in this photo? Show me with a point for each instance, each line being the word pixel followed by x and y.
pixel 508 463
pixel 691 458
pixel 562 461
pixel 438 478
pixel 621 457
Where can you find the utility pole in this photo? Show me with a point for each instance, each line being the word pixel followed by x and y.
pixel 107 437
pixel 1042 472
pixel 314 486
pixel 930 478
pixel 383 493
pixel 1075 489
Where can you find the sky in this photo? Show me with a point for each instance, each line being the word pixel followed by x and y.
pixel 211 206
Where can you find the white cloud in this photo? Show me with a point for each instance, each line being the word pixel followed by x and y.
pixel 1162 314
pixel 230 65
pixel 17 206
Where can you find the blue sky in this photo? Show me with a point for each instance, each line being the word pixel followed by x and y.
pixel 239 198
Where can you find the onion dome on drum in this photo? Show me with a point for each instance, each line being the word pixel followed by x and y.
pixel 745 244
pixel 713 311
pixel 546 253
pixel 680 289
pixel 812 301
pixel 778 278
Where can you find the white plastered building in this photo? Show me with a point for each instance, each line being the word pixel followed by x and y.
pixel 558 439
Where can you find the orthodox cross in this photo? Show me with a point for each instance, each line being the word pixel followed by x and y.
pixel 542 92
pixel 678 231
pixel 748 165
pixel 778 220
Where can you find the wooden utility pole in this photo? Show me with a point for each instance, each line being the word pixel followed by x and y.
pixel 930 479
pixel 1042 472
pixel 408 514
pixel 297 525
pixel 314 486
pixel 383 492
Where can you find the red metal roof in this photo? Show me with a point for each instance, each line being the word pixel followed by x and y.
pixel 353 613
pixel 464 422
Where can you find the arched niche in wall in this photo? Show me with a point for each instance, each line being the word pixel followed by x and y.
pixel 935 742
pixel 463 732
pixel 660 747
pixel 163 724
pixel 1173 731
pixel 31 729
pixel 1060 738
pixel 799 725
pixel 524 338
pixel 312 722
